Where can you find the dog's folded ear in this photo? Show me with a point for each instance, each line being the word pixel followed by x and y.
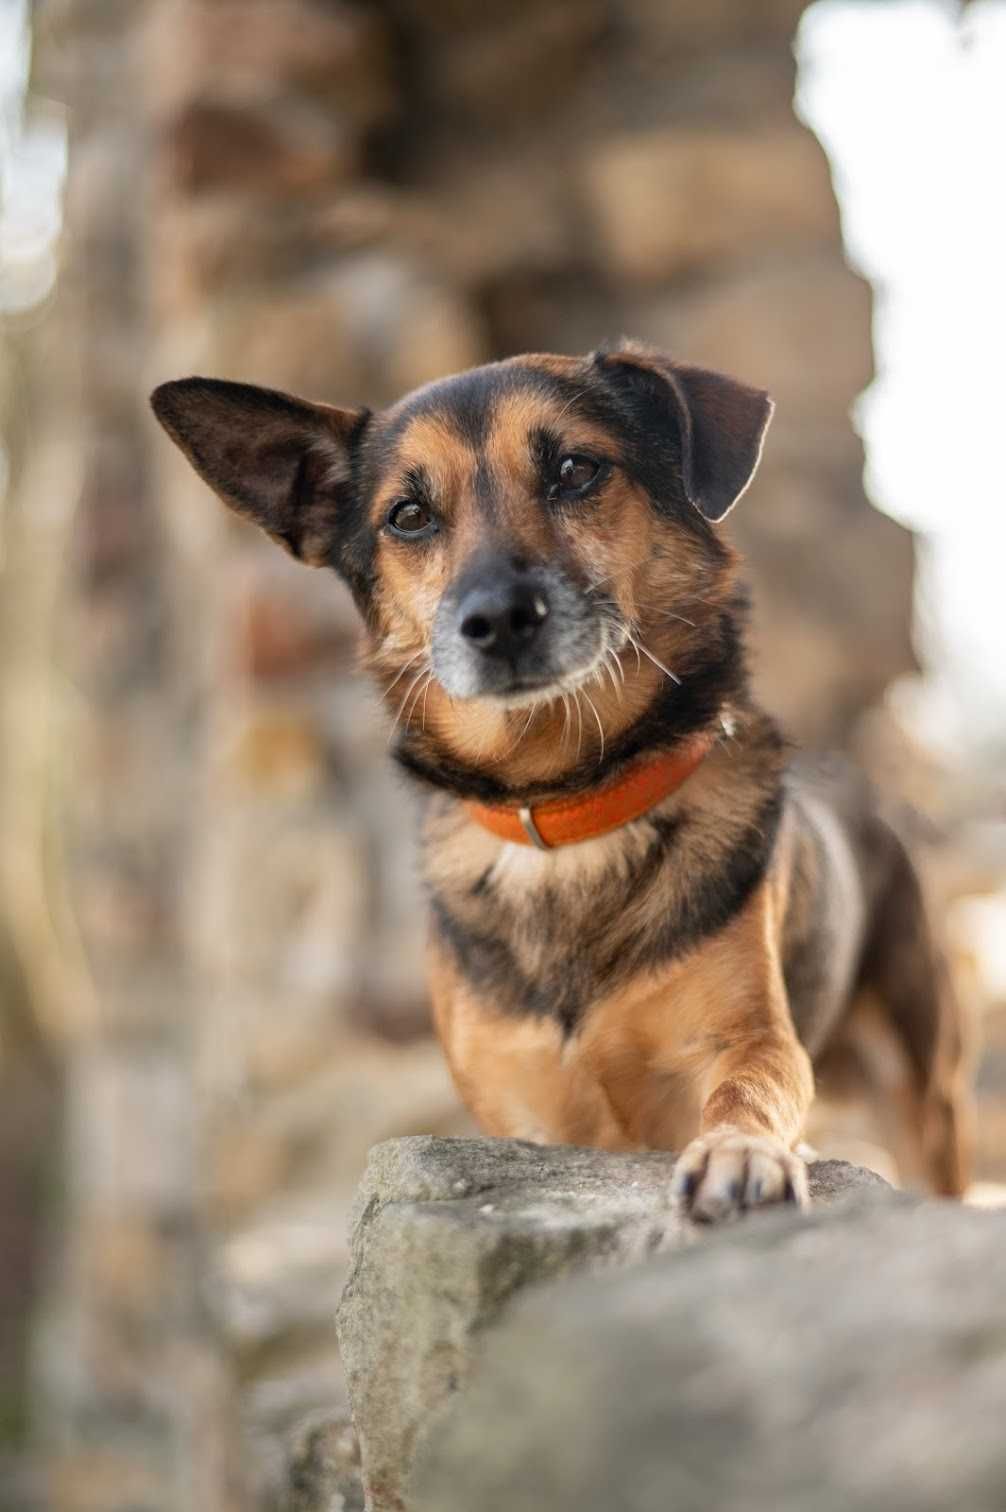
pixel 721 422
pixel 281 462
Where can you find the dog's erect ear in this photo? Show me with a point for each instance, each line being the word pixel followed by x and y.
pixel 721 422
pixel 281 462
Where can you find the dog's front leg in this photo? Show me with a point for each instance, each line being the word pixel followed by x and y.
pixel 750 1122
pixel 756 1090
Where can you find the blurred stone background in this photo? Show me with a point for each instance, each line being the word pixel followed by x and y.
pixel 210 932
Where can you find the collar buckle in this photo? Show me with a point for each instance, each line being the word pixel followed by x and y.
pixel 526 817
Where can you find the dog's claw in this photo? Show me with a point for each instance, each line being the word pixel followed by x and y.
pixel 726 1173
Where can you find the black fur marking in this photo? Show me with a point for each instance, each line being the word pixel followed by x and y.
pixel 485 485
pixel 486 961
pixel 468 400
pixel 667 826
pixel 545 447
pixel 713 899
pixel 605 957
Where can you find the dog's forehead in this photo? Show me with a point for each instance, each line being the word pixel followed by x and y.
pixel 468 405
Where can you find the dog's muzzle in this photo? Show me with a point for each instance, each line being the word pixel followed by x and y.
pixel 508 626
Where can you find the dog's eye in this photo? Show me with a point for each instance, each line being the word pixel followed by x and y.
pixel 576 473
pixel 412 520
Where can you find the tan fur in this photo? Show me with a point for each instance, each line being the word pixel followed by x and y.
pixel 704 1045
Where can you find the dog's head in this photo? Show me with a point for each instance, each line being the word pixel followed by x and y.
pixel 515 537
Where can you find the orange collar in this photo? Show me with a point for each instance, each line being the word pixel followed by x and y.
pixel 567 821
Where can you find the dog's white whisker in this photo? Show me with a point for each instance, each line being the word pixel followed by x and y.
pixel 408 694
pixel 600 726
pixel 635 646
pixel 423 687
pixel 402 671
pixel 579 722
pixel 608 657
pixel 394 727
pixel 426 694
pixel 658 663
pixel 533 711
pixel 567 717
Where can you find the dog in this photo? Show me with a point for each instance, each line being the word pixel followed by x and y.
pixel 650 922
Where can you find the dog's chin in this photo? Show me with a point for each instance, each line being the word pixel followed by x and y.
pixel 527 692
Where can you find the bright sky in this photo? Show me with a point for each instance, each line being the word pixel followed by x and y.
pixel 910 103
pixel 32 169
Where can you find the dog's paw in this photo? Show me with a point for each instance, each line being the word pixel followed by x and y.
pixel 726 1173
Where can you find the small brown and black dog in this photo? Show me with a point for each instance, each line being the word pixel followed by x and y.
pixel 648 923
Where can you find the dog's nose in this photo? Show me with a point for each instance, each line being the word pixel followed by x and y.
pixel 502 619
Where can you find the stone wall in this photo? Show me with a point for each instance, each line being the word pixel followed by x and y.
pixel 530 1328
pixel 448 1234
pixel 344 200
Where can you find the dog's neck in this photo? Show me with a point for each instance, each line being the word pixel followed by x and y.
pixel 588 816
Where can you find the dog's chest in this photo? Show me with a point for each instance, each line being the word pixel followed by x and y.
pixel 550 935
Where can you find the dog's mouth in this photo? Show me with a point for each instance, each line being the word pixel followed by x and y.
pixel 606 650
pixel 605 668
pixel 525 692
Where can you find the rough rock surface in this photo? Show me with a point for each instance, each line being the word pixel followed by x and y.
pixel 843 1361
pixel 448 1230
